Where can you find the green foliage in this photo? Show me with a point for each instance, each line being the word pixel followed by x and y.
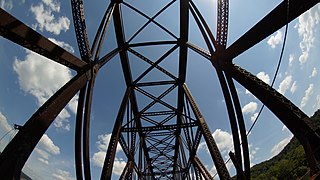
pixel 290 163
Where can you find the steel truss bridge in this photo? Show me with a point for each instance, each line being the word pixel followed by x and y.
pixel 160 143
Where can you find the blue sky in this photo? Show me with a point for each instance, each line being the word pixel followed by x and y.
pixel 28 80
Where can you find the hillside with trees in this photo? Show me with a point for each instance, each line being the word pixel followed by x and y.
pixel 290 163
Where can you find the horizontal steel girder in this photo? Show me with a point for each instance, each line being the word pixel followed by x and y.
pixel 159 128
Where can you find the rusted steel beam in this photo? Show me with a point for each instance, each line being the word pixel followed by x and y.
pixel 183 57
pixel 290 115
pixel 16 153
pixel 222 24
pixel 237 165
pixel 19 33
pixel 203 170
pixel 241 124
pixel 232 117
pixel 276 19
pixel 159 127
pixel 212 146
pixel 80 29
pixel 111 152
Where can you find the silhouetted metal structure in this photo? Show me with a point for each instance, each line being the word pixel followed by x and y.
pixel 162 142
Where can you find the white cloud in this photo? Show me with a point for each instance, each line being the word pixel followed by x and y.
pixel 62 44
pixel 278 147
pixel 251 107
pixel 47 144
pixel 254 117
pixel 314 72
pixel 44 154
pixel 223 140
pixel 43 161
pixel 42 77
pixel 118 164
pixel 253 152
pixel 99 157
pixel 264 77
pixel 4 123
pixel 274 40
pixel 103 142
pixel 306 96
pixel 285 84
pixel 62 175
pixel 6 4
pixel 284 128
pixel 291 58
pixel 317 104
pixel 45 18
pixel 306 27
pixel 294 87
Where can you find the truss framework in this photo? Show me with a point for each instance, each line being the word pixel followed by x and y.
pixel 160 138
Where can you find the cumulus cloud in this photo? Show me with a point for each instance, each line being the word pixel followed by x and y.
pixel 313 73
pixel 306 27
pixel 62 44
pixel 43 161
pixel 4 123
pixel 47 144
pixel 42 153
pixel 264 77
pixel 254 117
pixel 306 96
pixel 279 147
pixel 294 87
pixel 103 142
pixel 42 77
pixel 274 40
pixel 251 107
pixel 118 164
pixel 6 4
pixel 291 58
pixel 223 140
pixel 46 20
pixel 285 84
pixel 99 157
pixel 62 175
pixel 317 104
pixel 46 148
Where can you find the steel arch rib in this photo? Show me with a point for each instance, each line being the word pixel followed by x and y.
pixel 78 133
pixel 19 33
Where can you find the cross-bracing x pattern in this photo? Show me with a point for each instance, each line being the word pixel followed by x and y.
pixel 159 125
